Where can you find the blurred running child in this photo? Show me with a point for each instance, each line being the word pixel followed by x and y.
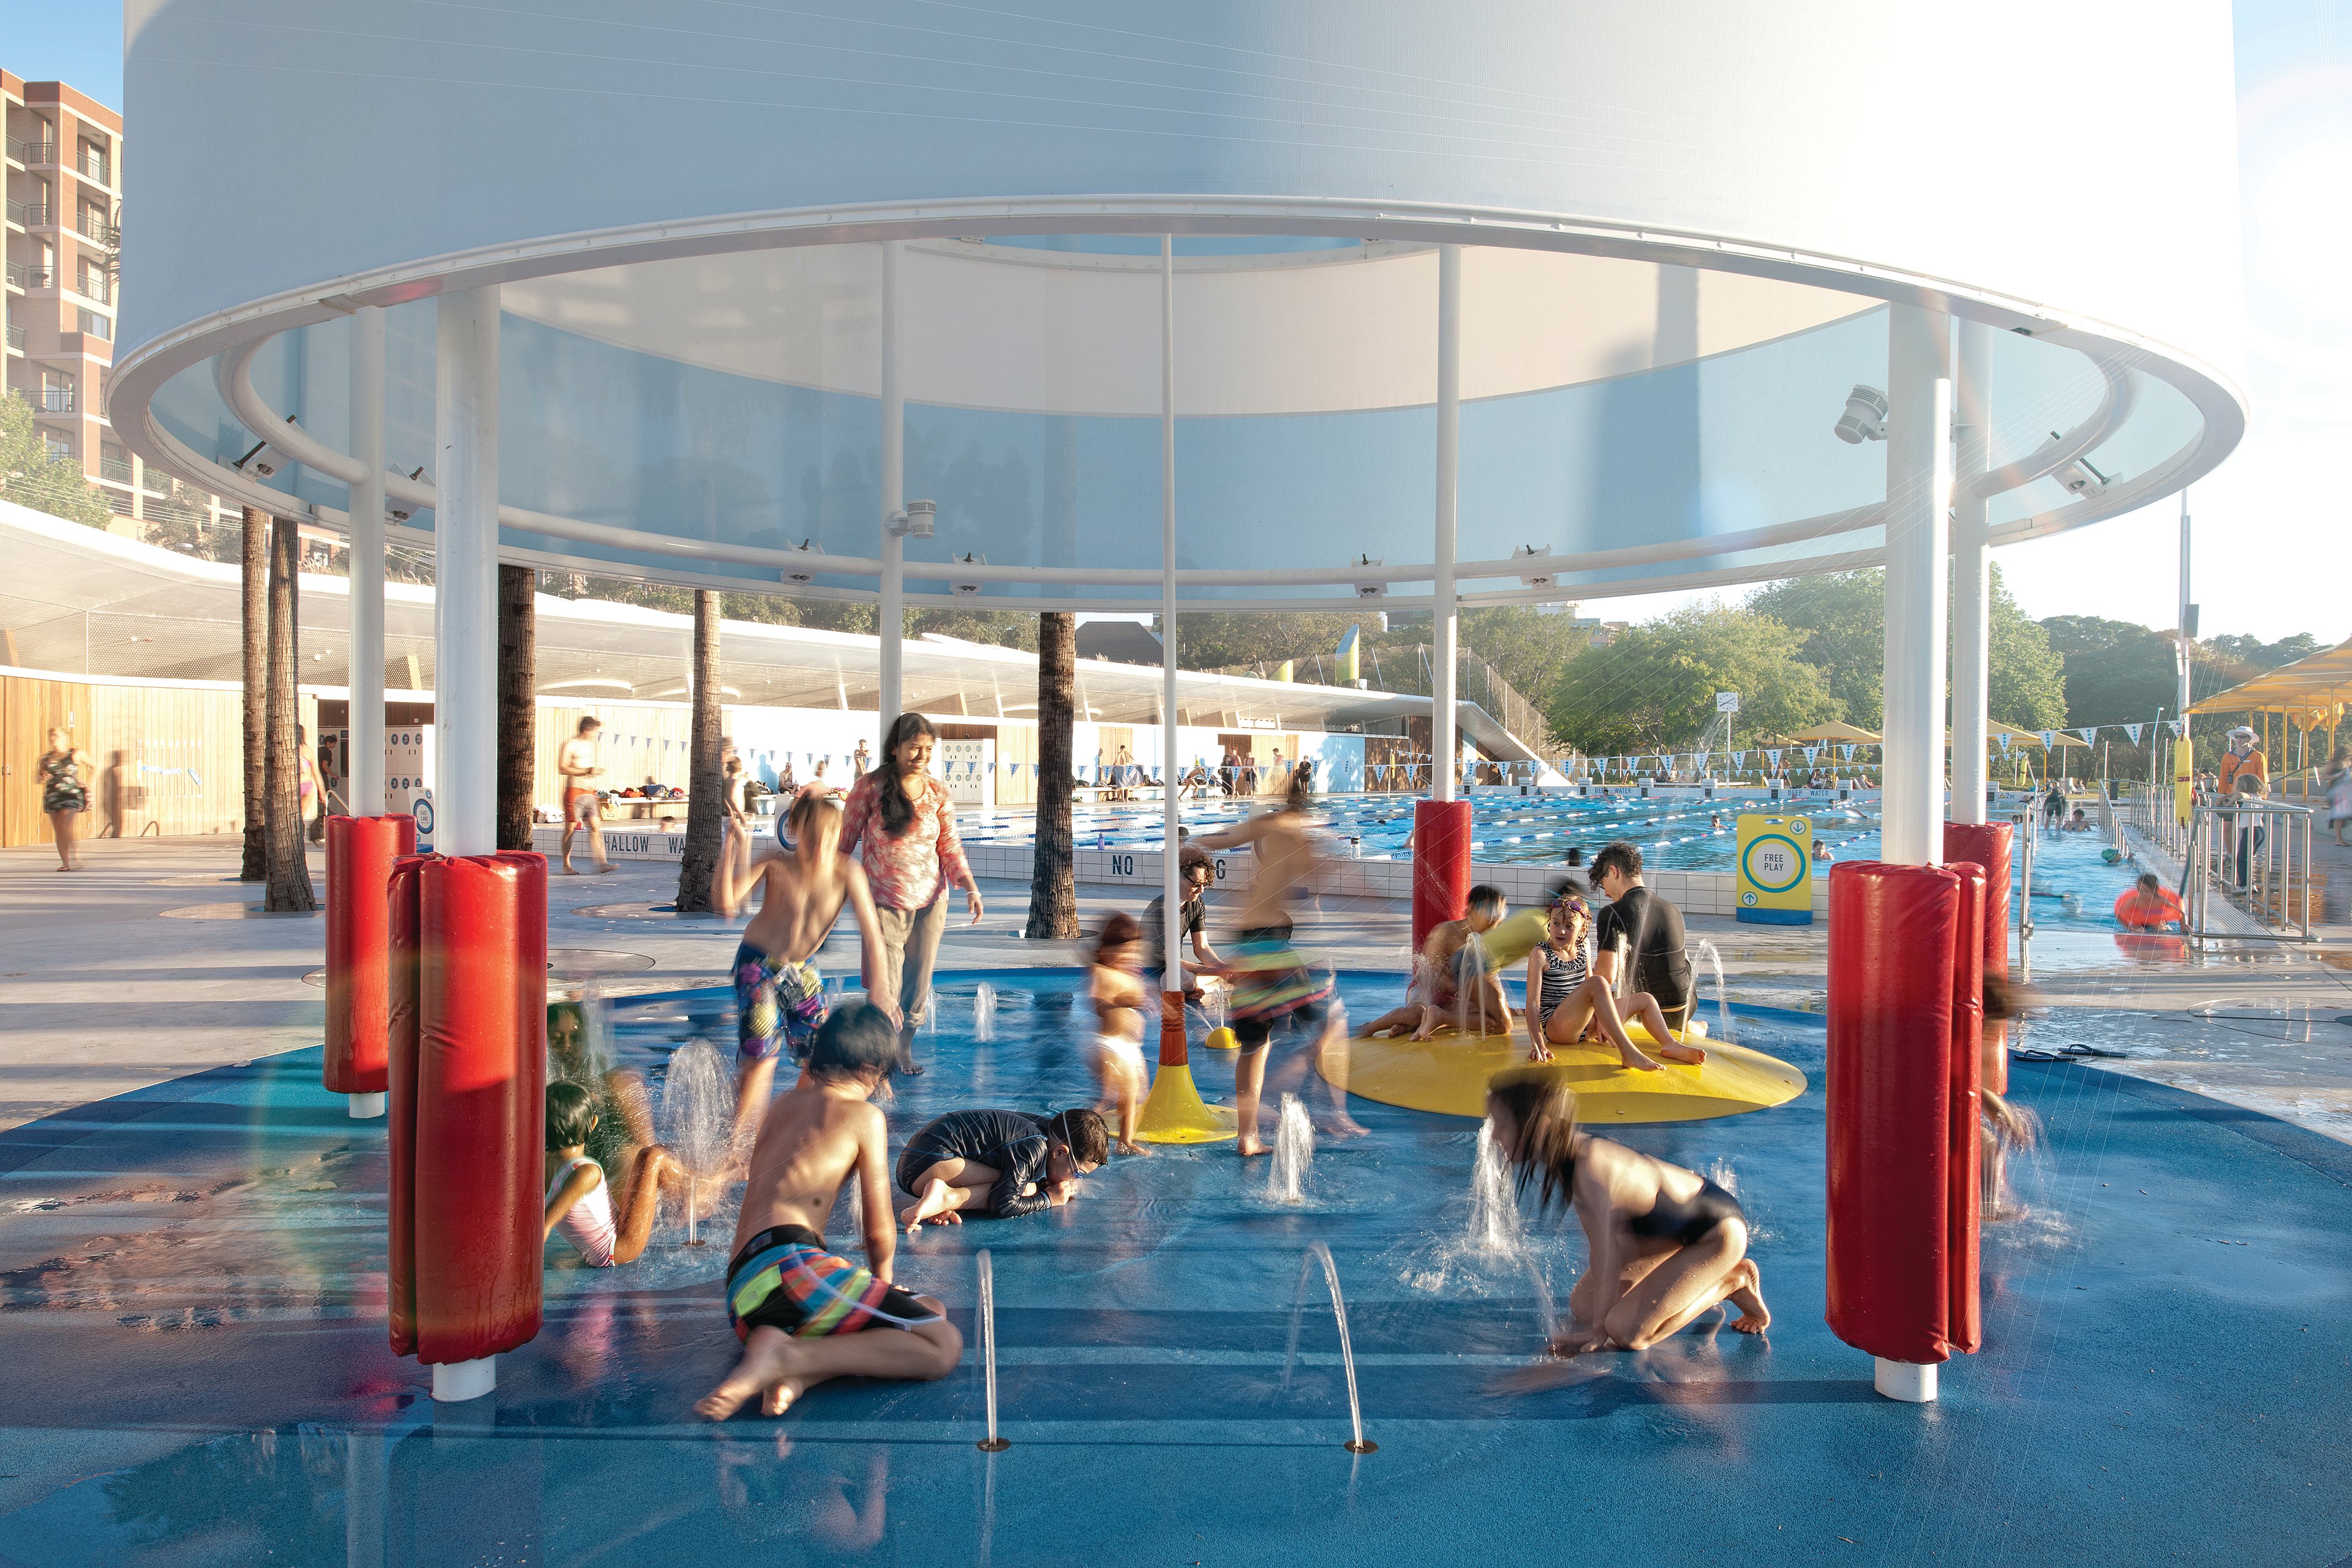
pixel 799 1309
pixel 1005 1162
pixel 1272 985
pixel 580 1201
pixel 779 995
pixel 1121 1005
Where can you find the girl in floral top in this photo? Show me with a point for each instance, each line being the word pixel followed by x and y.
pixel 901 826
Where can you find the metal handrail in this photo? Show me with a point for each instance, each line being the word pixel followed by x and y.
pixel 2255 854
pixel 16 336
pixel 29 151
pixel 95 287
pixel 91 225
pixel 55 400
pixel 92 165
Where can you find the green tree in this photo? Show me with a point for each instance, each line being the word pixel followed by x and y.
pixel 2027 677
pixel 31 475
pixel 1840 621
pixel 1654 687
pixel 1218 640
pixel 2117 672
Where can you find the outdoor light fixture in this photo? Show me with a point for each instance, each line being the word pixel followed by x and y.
pixel 916 521
pixel 2078 476
pixel 264 458
pixel 800 574
pixel 1369 590
pixel 1865 418
pixel 1534 552
pixel 966 586
pixel 401 511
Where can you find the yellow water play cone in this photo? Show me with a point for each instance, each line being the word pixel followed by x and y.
pixel 1175 1112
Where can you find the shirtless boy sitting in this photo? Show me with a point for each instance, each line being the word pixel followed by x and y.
pixel 798 1309
pixel 1448 983
pixel 779 995
pixel 1005 1162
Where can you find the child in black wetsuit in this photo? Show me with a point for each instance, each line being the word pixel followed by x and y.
pixel 1005 1163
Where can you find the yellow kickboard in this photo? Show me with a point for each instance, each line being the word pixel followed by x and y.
pixel 1448 1074
pixel 1174 1112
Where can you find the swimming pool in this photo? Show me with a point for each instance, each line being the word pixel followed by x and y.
pixel 1677 833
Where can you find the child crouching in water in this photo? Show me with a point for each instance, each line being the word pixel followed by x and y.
pixel 799 1309
pixel 580 1200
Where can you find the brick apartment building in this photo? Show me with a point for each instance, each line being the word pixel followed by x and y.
pixel 64 155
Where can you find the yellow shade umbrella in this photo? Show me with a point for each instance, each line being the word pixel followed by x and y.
pixel 1837 730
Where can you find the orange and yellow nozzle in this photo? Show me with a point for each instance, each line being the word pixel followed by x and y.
pixel 1174 1112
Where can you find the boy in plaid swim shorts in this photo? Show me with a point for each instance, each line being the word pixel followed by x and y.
pixel 779 995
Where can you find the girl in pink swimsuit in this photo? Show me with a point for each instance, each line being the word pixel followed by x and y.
pixel 580 1201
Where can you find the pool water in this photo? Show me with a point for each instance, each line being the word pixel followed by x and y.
pixel 1675 832
pixel 206 1380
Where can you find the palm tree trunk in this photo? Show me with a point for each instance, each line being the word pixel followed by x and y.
pixel 1054 883
pixel 253 586
pixel 289 874
pixel 518 703
pixel 706 804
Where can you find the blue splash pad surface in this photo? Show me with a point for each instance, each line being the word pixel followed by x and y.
pixel 191 1300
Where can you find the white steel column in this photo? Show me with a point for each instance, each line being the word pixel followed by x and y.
pixel 891 617
pixel 1918 493
pixel 465 624
pixel 1971 576
pixel 1445 763
pixel 1171 921
pixel 366 676
pixel 466 577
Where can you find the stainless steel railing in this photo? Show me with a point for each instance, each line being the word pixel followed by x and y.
pixel 2254 855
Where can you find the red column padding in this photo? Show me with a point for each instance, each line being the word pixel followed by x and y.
pixel 479 1070
pixel 400 1056
pixel 1892 929
pixel 1966 1330
pixel 1988 845
pixel 360 853
pixel 1441 864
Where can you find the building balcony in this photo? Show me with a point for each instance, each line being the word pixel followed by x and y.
pixel 94 227
pixel 29 152
pixel 15 339
pixel 114 470
pixel 24 275
pixel 94 166
pixel 30 215
pixel 51 399
pixel 96 287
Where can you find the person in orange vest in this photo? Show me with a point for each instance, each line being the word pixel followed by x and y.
pixel 2243 757
pixel 2149 905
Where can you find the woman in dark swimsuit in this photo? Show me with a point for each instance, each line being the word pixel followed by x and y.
pixel 1666 1243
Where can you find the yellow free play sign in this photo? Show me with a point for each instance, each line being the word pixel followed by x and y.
pixel 1776 870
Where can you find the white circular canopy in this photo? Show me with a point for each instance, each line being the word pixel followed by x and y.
pixel 1674 270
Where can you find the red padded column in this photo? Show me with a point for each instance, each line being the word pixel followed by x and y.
pixel 360 853
pixel 1892 931
pixel 1441 864
pixel 400 1055
pixel 1966 1324
pixel 1988 845
pixel 481 1072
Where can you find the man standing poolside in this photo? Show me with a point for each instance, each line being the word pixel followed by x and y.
pixel 576 761
pixel 2243 759
pixel 1643 929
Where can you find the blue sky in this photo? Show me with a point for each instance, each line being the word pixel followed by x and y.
pixel 2274 550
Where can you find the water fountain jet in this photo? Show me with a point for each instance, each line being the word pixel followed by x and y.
pixel 1319 1252
pixel 697 1120
pixel 991 1444
pixel 1294 1153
